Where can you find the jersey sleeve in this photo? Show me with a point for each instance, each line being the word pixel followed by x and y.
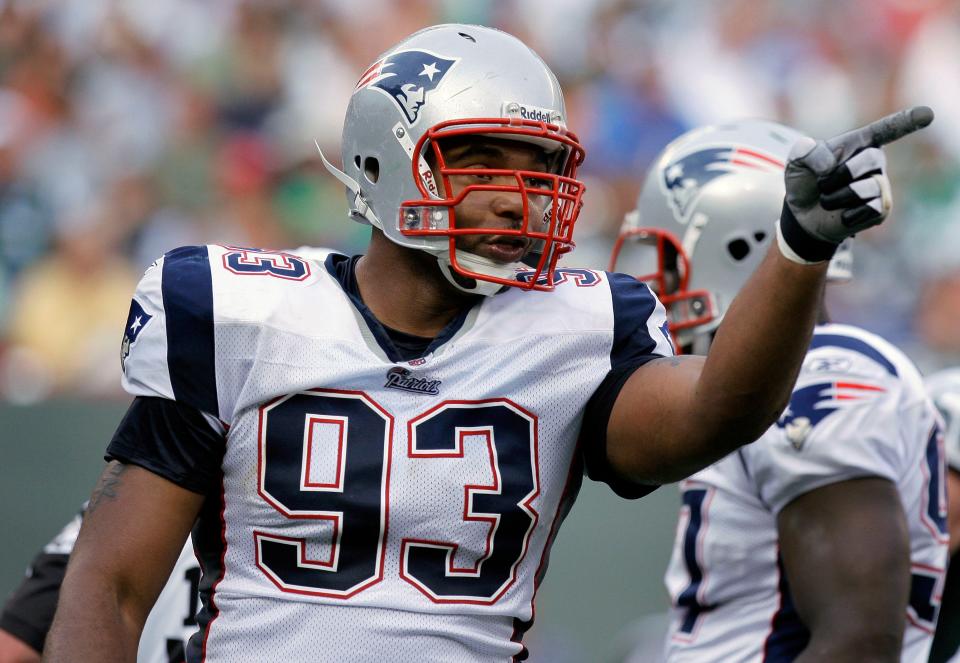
pixel 839 425
pixel 28 612
pixel 168 359
pixel 168 347
pixel 640 334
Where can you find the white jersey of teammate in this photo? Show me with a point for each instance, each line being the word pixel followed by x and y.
pixel 172 620
pixel 858 409
pixel 376 509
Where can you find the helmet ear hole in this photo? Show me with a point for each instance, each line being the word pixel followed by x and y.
pixel 356 161
pixel 371 169
pixel 738 249
pixel 759 236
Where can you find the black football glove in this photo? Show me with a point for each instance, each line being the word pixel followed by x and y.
pixel 838 187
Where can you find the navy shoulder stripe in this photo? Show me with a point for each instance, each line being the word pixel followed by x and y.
pixel 187 289
pixel 855 344
pixel 633 304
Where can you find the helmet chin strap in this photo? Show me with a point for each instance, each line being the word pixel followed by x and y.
pixel 479 265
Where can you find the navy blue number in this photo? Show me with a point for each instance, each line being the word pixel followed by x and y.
pixel 509 434
pixel 353 504
pixel 583 278
pixel 936 512
pixel 693 499
pixel 924 597
pixel 251 261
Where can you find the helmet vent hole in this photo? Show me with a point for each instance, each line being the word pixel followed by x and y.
pixel 738 249
pixel 467 37
pixel 759 236
pixel 371 169
pixel 356 161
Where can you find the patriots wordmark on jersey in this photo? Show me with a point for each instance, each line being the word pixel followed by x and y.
pixel 28 612
pixel 858 409
pixel 369 502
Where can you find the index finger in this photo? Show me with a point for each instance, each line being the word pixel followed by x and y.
pixel 885 130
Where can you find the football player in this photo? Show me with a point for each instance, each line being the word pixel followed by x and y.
pixel 28 612
pixel 378 450
pixel 826 539
pixel 944 389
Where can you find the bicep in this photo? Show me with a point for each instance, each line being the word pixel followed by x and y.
pixel 846 554
pixel 133 531
pixel 652 431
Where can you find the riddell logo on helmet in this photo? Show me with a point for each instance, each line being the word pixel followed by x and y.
pixel 534 113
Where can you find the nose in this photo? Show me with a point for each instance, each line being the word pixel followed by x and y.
pixel 508 205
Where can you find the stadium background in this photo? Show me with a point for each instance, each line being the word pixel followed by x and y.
pixel 130 127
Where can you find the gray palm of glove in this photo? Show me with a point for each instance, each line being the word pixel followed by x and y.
pixel 838 187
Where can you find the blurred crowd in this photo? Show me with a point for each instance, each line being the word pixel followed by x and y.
pixel 130 127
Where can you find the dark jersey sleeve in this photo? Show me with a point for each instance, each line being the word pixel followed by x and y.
pixel 172 440
pixel 640 334
pixel 28 612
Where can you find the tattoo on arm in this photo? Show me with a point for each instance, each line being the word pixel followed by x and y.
pixel 673 362
pixel 106 488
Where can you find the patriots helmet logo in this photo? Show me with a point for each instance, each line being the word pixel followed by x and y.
pixel 407 77
pixel 137 320
pixel 812 404
pixel 684 178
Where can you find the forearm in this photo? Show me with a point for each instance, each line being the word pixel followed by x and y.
pixel 94 621
pixel 758 350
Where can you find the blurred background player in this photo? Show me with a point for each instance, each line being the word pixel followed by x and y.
pixel 944 388
pixel 825 540
pixel 28 612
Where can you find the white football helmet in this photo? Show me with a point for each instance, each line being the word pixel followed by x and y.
pixel 450 81
pixel 705 216
pixel 944 388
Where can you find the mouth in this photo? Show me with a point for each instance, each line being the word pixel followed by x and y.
pixel 506 248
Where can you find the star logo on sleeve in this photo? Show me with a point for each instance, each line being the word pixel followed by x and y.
pixel 137 320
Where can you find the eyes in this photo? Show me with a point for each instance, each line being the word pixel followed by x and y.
pixel 486 178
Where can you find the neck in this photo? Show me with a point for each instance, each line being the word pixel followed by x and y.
pixel 405 290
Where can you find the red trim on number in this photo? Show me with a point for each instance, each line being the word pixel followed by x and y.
pixel 452 547
pixel 938 576
pixel 938 536
pixel 698 554
pixel 576 273
pixel 337 482
pixel 335 517
pixel 260 261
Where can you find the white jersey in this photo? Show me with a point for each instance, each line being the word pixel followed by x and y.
pixel 375 509
pixel 858 409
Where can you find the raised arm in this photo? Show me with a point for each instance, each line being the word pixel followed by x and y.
pixel 675 416
pixel 846 554
pixel 132 534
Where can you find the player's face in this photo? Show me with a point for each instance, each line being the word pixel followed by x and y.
pixel 496 210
